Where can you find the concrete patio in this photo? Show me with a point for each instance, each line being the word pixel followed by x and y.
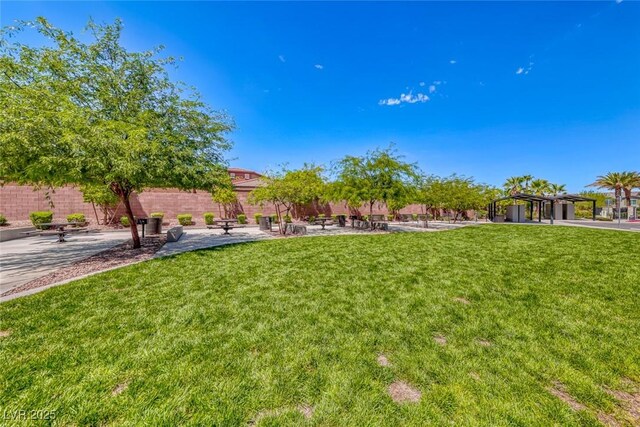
pixel 26 259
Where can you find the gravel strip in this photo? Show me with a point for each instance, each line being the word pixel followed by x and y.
pixel 119 255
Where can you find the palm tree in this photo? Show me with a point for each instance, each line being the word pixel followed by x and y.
pixel 540 187
pixel 556 189
pixel 513 185
pixel 526 183
pixel 612 181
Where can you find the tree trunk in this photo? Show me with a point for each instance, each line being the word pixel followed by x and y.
pixel 132 222
pixel 371 214
pixel 281 229
pixel 95 212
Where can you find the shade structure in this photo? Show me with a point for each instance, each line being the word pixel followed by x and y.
pixel 541 201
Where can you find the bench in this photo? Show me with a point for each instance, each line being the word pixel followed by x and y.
pixel 174 233
pixel 225 227
pixel 61 233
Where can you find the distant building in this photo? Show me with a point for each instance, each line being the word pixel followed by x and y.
pixel 625 211
pixel 239 174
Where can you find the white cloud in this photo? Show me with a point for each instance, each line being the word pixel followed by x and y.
pixel 319 66
pixel 432 88
pixel 453 61
pixel 422 83
pixel 408 98
pixel 523 70
pixel 618 1
pixel 282 58
pixel 390 101
pixel 437 82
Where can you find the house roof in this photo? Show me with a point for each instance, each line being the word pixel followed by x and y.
pixel 241 170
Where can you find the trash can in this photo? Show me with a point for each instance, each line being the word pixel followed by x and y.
pixel 154 226
pixel 342 220
pixel 265 223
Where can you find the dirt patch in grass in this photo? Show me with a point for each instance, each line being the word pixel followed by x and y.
pixel 5 333
pixel 559 391
pixel 383 360
pixel 440 339
pixel 306 410
pixel 629 400
pixel 120 388
pixel 462 300
pixel 485 343
pixel 116 256
pixel 401 392
pixel 607 419
pixel 474 375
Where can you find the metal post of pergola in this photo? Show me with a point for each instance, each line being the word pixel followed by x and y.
pixel 540 211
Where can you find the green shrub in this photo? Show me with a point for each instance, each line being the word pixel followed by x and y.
pixel 208 218
pixel 274 218
pixel 312 218
pixel 3 220
pixel 320 215
pixel 41 217
pixel 603 218
pixel 185 219
pixel 257 218
pixel 334 217
pixel 365 217
pixel 124 220
pixel 77 217
pixel 390 217
pixel 414 216
pixel 157 215
pixel 287 218
pixel 242 219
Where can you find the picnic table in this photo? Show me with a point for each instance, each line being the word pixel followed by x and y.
pixel 59 229
pixel 323 221
pixel 225 224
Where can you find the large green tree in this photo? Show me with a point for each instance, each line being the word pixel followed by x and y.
pixel 380 176
pixel 94 113
pixel 226 197
pixel 429 194
pixel 287 188
pixel 461 194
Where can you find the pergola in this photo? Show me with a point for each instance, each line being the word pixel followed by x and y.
pixel 541 201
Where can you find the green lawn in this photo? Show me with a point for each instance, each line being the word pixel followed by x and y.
pixel 248 333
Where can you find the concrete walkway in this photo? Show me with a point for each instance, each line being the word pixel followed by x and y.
pixel 194 239
pixel 23 260
pixel 609 225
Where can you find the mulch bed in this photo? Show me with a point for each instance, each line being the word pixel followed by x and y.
pixel 119 255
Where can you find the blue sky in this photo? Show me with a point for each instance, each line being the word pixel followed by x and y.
pixel 484 89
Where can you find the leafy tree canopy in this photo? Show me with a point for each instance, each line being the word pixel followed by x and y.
pixel 287 188
pixel 96 114
pixel 380 176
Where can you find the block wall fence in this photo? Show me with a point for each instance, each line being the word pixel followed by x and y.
pixel 17 201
